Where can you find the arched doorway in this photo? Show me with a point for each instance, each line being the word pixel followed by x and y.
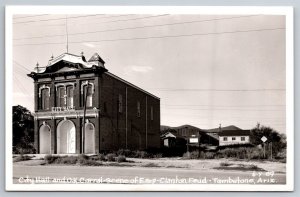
pixel 45 139
pixel 66 137
pixel 89 138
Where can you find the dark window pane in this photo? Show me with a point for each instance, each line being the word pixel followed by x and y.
pixel 70 96
pixel 45 98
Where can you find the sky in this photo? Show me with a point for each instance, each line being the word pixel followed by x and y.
pixel 206 69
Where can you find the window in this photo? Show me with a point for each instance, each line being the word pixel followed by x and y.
pixel 233 138
pixel 243 138
pixel 88 92
pixel 70 96
pixel 224 138
pixel 151 112
pixel 45 98
pixel 120 103
pixel 138 109
pixel 61 102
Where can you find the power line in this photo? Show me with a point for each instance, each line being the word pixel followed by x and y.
pixel 138 27
pixel 55 19
pixel 31 16
pixel 157 37
pixel 223 109
pixel 220 90
pixel 26 69
pixel 225 105
pixel 44 20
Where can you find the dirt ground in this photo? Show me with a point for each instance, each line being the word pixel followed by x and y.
pixel 194 164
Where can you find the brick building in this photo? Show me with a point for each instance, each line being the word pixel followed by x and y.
pixel 71 92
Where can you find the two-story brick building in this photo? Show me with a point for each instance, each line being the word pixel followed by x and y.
pixel 80 107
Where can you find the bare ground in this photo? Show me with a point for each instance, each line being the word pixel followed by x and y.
pixel 194 164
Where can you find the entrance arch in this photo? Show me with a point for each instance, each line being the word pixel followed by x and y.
pixel 89 138
pixel 66 137
pixel 45 139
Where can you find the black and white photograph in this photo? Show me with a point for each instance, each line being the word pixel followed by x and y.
pixel 137 98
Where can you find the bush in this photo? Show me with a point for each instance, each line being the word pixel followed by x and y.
pixel 100 157
pixel 141 154
pixel 21 158
pixel 110 157
pixel 225 164
pixel 82 158
pixel 125 152
pixel 67 160
pixel 121 158
pixel 158 155
pixel 151 165
pixel 85 162
pixel 49 159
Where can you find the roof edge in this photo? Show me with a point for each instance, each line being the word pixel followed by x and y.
pixel 130 84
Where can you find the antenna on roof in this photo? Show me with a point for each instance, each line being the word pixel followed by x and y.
pixel 67 33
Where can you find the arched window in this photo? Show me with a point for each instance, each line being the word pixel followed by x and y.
pixel 45 98
pixel 89 98
pixel 66 137
pixel 89 138
pixel 61 102
pixel 45 139
pixel 70 96
pixel 87 91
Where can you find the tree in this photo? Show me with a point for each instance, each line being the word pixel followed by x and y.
pixel 23 132
pixel 278 140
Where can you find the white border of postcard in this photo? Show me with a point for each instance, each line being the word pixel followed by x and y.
pixel 241 10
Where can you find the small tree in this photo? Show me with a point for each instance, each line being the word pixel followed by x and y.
pixel 278 140
pixel 23 134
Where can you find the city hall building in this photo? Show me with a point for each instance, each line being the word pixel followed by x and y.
pixel 80 107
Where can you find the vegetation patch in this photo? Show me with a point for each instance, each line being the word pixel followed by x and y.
pixel 241 167
pixel 21 158
pixel 172 166
pixel 151 165
pixel 83 160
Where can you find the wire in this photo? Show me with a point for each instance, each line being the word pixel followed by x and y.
pixel 130 28
pixel 156 37
pixel 227 105
pixel 221 90
pixel 55 19
pixel 31 16
pixel 26 69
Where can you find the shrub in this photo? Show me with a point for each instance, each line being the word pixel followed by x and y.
pixel 125 152
pixel 121 158
pixel 49 159
pixel 158 155
pixel 225 164
pixel 110 157
pixel 151 165
pixel 21 158
pixel 191 155
pixel 85 162
pixel 101 157
pixel 141 154
pixel 67 160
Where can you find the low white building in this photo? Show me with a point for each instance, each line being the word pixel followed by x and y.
pixel 234 137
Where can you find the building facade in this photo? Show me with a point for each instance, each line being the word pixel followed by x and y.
pixel 234 137
pixel 80 107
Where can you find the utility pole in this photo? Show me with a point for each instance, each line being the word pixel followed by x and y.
pixel 271 149
pixel 84 113
pixel 199 136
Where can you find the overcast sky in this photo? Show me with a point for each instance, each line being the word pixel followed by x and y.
pixel 207 70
